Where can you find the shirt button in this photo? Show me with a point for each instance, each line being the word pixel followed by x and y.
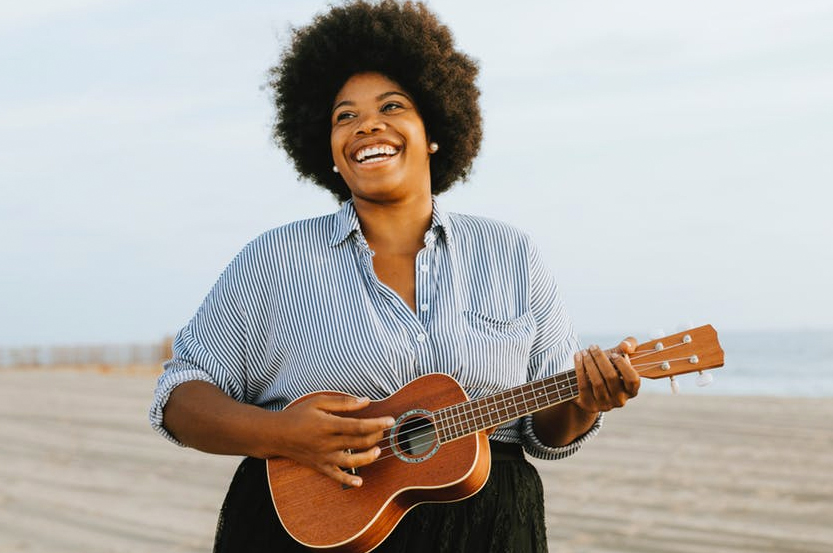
pixel 423 307
pixel 420 338
pixel 423 268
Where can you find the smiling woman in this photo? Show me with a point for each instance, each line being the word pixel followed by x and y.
pixel 375 104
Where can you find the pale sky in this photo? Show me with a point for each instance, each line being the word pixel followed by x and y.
pixel 673 160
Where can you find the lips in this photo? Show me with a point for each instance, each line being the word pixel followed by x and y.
pixel 375 152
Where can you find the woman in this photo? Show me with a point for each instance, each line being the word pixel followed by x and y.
pixel 375 104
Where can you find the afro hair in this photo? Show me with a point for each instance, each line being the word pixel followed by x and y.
pixel 406 43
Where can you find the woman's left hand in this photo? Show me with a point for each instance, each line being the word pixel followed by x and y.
pixel 606 379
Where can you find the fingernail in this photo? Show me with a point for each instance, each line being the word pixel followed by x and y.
pixel 356 482
pixel 594 347
pixel 390 421
pixel 362 399
pixel 377 452
pixel 614 355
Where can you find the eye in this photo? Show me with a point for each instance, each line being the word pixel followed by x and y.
pixel 391 106
pixel 344 115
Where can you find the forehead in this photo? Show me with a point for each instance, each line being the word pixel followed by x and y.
pixel 362 86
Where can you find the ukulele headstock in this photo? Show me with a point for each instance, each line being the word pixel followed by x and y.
pixel 693 350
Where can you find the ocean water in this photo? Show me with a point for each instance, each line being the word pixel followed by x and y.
pixel 770 363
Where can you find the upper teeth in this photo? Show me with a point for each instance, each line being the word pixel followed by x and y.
pixel 374 151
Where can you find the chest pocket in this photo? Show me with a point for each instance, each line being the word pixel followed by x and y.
pixel 497 351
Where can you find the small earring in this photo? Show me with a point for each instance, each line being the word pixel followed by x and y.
pixel 335 169
pixel 433 147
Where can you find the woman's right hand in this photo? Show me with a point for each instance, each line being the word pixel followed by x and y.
pixel 312 435
pixel 202 416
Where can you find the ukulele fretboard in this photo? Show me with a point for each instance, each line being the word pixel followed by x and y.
pixel 480 414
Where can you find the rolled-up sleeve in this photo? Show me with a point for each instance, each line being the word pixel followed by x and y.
pixel 552 351
pixel 211 347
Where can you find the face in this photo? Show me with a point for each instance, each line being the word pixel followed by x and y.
pixel 378 140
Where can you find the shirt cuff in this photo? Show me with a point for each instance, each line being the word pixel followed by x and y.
pixel 166 384
pixel 536 448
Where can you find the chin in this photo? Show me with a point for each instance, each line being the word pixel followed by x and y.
pixel 378 195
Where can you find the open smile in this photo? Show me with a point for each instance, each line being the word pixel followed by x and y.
pixel 375 153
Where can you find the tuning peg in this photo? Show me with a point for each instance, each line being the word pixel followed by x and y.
pixel 704 379
pixel 656 334
pixel 675 386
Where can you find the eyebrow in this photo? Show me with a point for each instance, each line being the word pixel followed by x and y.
pixel 379 98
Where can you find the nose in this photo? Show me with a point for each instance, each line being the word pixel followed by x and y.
pixel 370 124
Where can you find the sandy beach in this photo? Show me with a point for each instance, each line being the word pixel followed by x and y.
pixel 82 471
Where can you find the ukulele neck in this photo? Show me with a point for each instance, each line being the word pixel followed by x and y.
pixel 477 415
pixel 693 350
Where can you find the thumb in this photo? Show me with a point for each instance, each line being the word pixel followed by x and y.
pixel 342 402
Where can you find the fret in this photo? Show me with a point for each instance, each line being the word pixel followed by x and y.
pixel 547 399
pixel 465 418
pixel 438 424
pixel 442 424
pixel 485 417
pixel 534 404
pixel 514 404
pixel 472 412
pixel 528 395
pixel 493 420
pixel 564 384
pixel 449 422
pixel 500 407
pixel 475 410
pixel 458 421
pixel 540 394
pixel 461 419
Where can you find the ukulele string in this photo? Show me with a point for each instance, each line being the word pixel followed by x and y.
pixel 653 364
pixel 464 412
pixel 646 352
pixel 469 408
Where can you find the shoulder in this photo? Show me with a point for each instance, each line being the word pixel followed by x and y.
pixel 287 248
pixel 475 229
pixel 294 237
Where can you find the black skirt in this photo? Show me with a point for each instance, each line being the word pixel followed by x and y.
pixel 506 516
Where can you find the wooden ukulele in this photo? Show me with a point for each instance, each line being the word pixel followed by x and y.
pixel 438 450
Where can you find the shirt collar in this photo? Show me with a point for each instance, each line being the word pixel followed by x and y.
pixel 439 223
pixel 347 222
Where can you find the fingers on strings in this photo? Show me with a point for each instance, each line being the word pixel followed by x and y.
pixel 607 376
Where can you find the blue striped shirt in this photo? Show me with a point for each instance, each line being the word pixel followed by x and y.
pixel 300 309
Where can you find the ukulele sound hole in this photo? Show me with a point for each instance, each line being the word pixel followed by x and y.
pixel 414 438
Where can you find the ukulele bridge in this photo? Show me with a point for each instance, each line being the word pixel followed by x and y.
pixel 413 437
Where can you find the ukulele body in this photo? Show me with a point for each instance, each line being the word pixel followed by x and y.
pixel 413 468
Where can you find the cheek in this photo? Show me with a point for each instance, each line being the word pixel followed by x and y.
pixel 339 137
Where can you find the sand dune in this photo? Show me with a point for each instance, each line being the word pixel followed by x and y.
pixel 81 471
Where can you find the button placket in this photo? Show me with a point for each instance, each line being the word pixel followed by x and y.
pixel 423 283
pixel 423 298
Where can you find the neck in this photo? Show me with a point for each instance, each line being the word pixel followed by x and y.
pixel 395 227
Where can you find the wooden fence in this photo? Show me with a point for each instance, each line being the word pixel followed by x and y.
pixel 110 355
